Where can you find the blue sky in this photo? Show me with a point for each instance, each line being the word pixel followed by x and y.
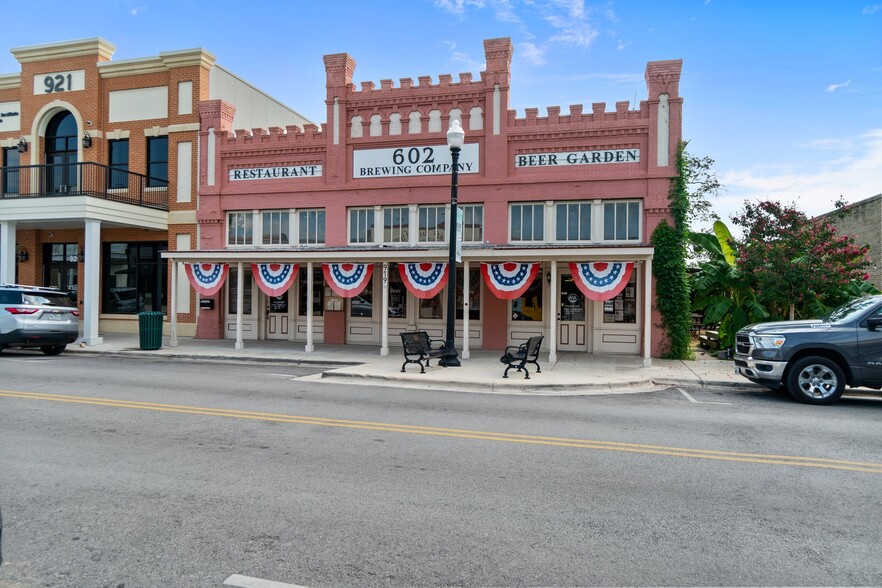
pixel 786 96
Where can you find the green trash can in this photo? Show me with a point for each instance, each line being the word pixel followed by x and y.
pixel 150 329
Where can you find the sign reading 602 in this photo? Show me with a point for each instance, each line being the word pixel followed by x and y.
pixel 61 81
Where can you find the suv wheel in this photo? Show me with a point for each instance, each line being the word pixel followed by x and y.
pixel 53 349
pixel 815 380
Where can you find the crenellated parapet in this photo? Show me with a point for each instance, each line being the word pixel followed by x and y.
pixel 577 118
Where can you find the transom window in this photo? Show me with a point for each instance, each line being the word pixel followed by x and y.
pixel 527 222
pixel 621 221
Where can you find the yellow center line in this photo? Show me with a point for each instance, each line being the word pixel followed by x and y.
pixel 789 460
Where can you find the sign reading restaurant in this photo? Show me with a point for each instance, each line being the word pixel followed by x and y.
pixel 431 160
pixel 276 173
pixel 578 158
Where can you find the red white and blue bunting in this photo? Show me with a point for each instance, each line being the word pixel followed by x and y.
pixel 207 278
pixel 347 279
pixel 601 280
pixel 274 279
pixel 509 280
pixel 424 280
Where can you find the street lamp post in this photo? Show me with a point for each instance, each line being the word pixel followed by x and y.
pixel 455 138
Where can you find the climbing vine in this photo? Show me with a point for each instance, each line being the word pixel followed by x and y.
pixel 669 266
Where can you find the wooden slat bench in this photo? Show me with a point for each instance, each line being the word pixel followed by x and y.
pixel 418 347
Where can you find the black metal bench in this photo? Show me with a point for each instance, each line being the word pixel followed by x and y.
pixel 418 347
pixel 519 356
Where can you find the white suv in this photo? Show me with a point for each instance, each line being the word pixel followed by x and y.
pixel 34 316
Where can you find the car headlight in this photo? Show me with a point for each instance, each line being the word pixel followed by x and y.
pixel 767 341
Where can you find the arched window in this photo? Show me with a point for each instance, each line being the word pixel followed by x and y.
pixel 416 124
pixel 395 123
pixel 455 114
pixel 357 132
pixel 476 119
pixel 434 121
pixel 61 153
pixel 376 126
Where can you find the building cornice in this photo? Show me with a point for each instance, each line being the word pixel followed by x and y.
pixel 161 64
pixel 102 48
pixel 10 81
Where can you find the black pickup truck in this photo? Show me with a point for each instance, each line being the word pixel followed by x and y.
pixel 815 359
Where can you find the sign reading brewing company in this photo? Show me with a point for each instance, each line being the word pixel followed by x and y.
pixel 276 173
pixel 433 160
pixel 578 158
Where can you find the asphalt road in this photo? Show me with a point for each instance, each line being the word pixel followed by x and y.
pixel 137 472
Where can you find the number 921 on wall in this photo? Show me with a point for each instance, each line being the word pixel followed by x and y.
pixel 60 81
pixel 430 160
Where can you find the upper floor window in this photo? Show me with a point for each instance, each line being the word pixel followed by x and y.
pixel 275 227
pixel 361 225
pixel 119 164
pixel 395 224
pixel 473 222
pixel 573 221
pixel 527 222
pixel 240 229
pixel 432 224
pixel 157 162
pixel 11 159
pixel 311 227
pixel 621 221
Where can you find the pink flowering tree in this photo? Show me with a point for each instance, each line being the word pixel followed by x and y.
pixel 800 267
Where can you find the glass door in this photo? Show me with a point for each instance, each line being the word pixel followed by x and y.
pixel 572 315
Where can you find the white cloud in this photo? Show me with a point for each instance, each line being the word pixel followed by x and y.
pixel 458 6
pixel 137 10
pixel 532 53
pixel 833 87
pixel 872 9
pixel 853 175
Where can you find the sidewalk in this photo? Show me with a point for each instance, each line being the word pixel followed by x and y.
pixel 572 374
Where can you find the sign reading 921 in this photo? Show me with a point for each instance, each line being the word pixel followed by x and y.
pixel 432 160
pixel 60 81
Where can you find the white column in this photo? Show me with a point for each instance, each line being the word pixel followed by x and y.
pixel 240 302
pixel 310 347
pixel 173 307
pixel 647 312
pixel 466 353
pixel 7 252
pixel 553 306
pixel 384 320
pixel 91 293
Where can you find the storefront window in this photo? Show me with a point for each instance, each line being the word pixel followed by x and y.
pixel 529 306
pixel 474 295
pixel 318 290
pixel 60 263
pixel 431 308
pixel 361 305
pixel 233 280
pixel 397 294
pixel 134 277
pixel 622 308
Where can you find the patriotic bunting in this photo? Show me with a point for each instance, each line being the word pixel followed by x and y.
pixel 347 279
pixel 424 280
pixel 274 279
pixel 601 280
pixel 207 278
pixel 509 280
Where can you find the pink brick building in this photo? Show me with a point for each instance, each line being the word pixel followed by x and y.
pixel 372 186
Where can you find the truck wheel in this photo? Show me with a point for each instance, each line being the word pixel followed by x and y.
pixel 52 349
pixel 815 380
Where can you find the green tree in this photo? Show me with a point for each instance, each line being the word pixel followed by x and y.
pixel 721 289
pixel 798 266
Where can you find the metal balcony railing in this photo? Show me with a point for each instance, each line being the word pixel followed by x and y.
pixel 83 179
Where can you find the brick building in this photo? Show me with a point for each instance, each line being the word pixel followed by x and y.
pixel 556 197
pixel 99 171
pixel 864 221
